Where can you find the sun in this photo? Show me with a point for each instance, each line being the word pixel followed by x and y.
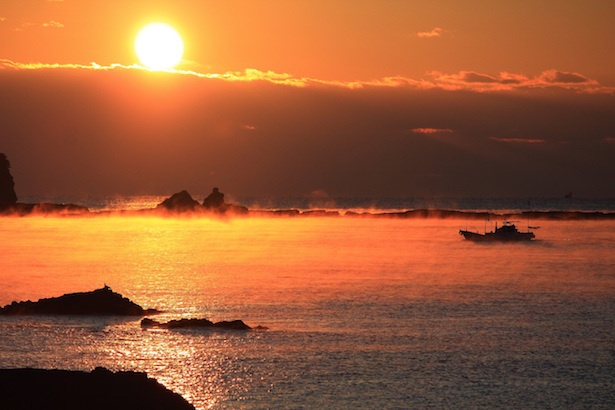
pixel 159 47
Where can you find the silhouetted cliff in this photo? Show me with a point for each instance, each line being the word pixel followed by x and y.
pixel 7 185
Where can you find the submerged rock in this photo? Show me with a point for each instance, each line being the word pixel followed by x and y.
pixel 99 389
pixel 99 302
pixel 198 323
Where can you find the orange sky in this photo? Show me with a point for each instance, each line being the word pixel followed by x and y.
pixel 332 40
pixel 370 98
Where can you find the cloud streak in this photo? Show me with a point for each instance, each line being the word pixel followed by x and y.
pixel 505 81
pixel 436 32
pixel 463 80
pixel 519 140
pixel 53 24
pixel 431 131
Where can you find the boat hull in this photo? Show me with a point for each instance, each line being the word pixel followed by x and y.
pixel 497 237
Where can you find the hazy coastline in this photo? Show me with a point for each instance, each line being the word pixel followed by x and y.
pixel 445 208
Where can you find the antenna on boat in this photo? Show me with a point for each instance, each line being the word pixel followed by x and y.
pixel 529 205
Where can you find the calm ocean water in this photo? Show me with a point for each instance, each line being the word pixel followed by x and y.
pixel 362 313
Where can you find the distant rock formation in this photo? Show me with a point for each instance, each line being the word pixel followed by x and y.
pixel 99 302
pixel 215 200
pixel 96 390
pixel 7 185
pixel 182 202
pixel 198 323
pixel 179 202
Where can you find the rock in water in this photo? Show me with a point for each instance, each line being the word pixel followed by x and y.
pixel 196 323
pixel 215 201
pixel 7 185
pixel 99 302
pixel 99 389
pixel 179 202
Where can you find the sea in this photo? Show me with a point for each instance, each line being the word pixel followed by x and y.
pixel 361 313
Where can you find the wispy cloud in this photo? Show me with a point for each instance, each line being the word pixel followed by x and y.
pixel 518 140
pixel 505 81
pixel 47 24
pixel 436 32
pixel 560 77
pixel 463 80
pixel 53 24
pixel 42 66
pixel 431 130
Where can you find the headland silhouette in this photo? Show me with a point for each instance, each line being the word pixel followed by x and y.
pixel 99 302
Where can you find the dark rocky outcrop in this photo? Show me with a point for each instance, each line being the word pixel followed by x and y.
pixel 215 200
pixel 97 390
pixel 7 185
pixel 198 323
pixel 179 202
pixel 182 202
pixel 99 302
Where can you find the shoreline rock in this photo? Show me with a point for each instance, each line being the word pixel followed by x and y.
pixel 199 323
pixel 99 302
pixel 183 203
pixel 98 389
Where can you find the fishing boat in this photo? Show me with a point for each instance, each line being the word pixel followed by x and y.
pixel 508 232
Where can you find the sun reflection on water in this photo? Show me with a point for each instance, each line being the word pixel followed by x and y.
pixel 354 307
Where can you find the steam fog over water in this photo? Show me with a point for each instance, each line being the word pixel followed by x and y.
pixel 322 201
pixel 362 313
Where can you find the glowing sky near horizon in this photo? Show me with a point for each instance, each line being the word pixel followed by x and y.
pixel 396 98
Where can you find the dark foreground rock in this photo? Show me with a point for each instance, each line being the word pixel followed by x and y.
pixel 198 323
pixel 99 389
pixel 99 302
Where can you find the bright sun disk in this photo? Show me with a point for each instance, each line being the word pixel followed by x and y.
pixel 159 46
